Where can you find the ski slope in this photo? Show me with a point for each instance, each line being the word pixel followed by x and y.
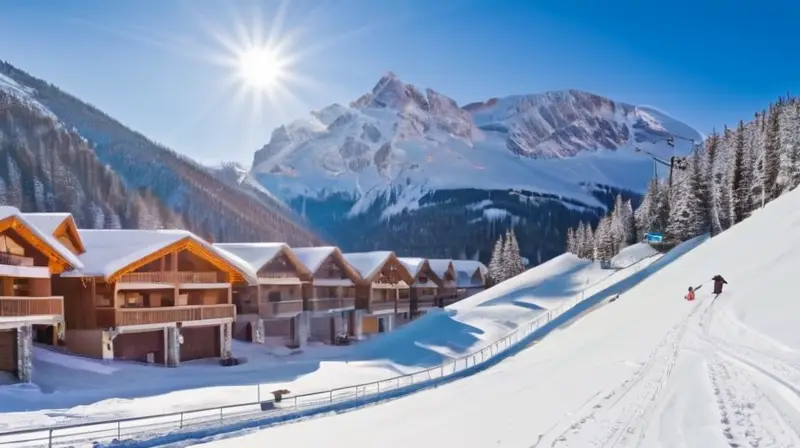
pixel 74 389
pixel 649 369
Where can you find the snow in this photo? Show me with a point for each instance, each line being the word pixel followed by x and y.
pixel 257 255
pixel 69 388
pixel 631 254
pixel 25 94
pixel 389 144
pixel 313 257
pixel 440 266
pixel 648 369
pixel 367 264
pixel 470 266
pixel 109 250
pixel 412 264
pixel 9 212
pixel 47 222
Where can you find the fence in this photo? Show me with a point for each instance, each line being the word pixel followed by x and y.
pixel 161 429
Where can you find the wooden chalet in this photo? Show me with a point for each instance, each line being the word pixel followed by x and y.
pixel 383 293
pixel 425 286
pixel 272 307
pixel 330 297
pixel 28 309
pixel 155 296
pixel 447 292
pixel 470 277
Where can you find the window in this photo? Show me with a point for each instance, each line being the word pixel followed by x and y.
pixel 102 301
pixel 274 296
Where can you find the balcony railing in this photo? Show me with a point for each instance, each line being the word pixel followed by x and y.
pixel 283 308
pixel 15 260
pixel 428 301
pixel 326 304
pixel 117 317
pixel 268 275
pixel 376 306
pixel 170 277
pixel 403 305
pixel 31 306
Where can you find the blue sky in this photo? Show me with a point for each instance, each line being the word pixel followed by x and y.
pixel 150 63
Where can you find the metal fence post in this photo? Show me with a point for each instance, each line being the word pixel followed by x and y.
pixel 119 430
pixel 259 392
pixel 50 438
pixel 220 414
pixel 331 396
pixel 181 420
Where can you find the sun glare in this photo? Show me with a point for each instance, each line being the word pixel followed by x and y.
pixel 261 68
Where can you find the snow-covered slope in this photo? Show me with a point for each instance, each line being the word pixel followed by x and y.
pixel 648 370
pixel 399 138
pixel 73 388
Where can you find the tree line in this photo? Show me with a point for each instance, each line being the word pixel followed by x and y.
pixel 506 260
pixel 725 178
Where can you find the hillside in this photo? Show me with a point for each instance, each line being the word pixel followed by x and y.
pixel 408 168
pixel 647 370
pixel 44 167
pixel 205 203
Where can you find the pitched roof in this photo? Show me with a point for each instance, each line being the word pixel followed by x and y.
pixel 47 222
pixel 413 264
pixel 440 266
pixel 256 254
pixel 109 250
pixel 367 264
pixel 47 237
pixel 469 266
pixel 313 257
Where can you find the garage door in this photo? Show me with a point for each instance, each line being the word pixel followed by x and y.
pixel 136 346
pixel 200 342
pixel 8 351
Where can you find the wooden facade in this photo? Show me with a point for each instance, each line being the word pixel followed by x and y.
pixel 447 291
pixel 384 296
pixel 28 308
pixel 424 290
pixel 330 299
pixel 183 285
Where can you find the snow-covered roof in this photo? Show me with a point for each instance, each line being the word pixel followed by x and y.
pixel 47 237
pixel 109 250
pixel 469 266
pixel 367 264
pixel 413 264
pixel 313 257
pixel 255 254
pixel 47 222
pixel 440 266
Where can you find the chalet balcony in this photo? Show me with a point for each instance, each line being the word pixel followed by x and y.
pixel 31 306
pixel 118 317
pixel 403 305
pixel 382 306
pixel 282 308
pixel 427 301
pixel 170 277
pixel 15 260
pixel 278 278
pixel 328 304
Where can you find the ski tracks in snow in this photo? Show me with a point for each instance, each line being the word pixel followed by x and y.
pixel 616 418
pixel 756 390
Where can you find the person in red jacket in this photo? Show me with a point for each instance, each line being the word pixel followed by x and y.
pixel 718 282
pixel 690 294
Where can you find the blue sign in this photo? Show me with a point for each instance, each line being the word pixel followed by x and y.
pixel 654 237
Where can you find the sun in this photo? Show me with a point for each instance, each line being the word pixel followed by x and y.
pixel 261 68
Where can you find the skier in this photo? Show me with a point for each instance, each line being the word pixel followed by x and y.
pixel 690 294
pixel 718 282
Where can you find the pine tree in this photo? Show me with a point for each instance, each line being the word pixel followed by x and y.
pixel 739 190
pixel 629 221
pixel 508 257
pixel 701 202
pixel 604 240
pixel 682 222
pixel 516 266
pixel 571 247
pixel 770 187
pixel 588 243
pixel 495 264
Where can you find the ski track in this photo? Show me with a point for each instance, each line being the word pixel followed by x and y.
pixel 745 381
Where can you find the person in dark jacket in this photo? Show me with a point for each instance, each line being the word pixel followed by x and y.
pixel 718 282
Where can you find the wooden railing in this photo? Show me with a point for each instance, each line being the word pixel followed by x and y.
pixel 15 260
pixel 333 303
pixel 170 277
pixel 403 304
pixel 117 317
pixel 270 275
pixel 283 308
pixel 375 306
pixel 31 306
pixel 427 301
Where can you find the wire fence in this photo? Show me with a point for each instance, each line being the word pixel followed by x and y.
pixel 92 432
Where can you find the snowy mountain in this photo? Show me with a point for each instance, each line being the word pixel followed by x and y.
pixel 400 149
pixel 195 197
